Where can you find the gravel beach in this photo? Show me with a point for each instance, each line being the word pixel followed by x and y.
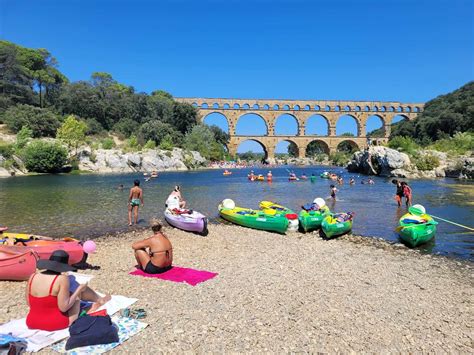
pixel 293 293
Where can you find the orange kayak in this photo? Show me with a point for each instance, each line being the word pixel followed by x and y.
pixel 44 246
pixel 17 265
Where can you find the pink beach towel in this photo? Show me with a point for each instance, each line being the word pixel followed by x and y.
pixel 180 274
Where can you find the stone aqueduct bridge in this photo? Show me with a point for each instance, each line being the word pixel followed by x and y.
pixel 302 110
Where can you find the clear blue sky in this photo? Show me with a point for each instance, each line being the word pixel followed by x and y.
pixel 404 50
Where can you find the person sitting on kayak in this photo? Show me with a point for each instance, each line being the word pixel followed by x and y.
pixel 175 200
pixel 154 254
pixel 333 191
pixel 407 193
pixel 54 298
pixel 134 199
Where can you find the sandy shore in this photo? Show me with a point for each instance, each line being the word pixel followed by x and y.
pixel 294 293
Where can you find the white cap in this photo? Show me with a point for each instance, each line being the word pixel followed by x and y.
pixel 320 202
pixel 228 203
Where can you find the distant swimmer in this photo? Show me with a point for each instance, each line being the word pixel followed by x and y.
pixel 269 176
pixel 333 191
pixel 351 181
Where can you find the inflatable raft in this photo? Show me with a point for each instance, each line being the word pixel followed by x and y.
pixel 311 218
pixel 417 227
pixel 336 224
pixel 187 220
pixel 43 246
pixel 256 219
pixel 16 264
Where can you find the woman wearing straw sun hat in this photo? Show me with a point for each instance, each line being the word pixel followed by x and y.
pixel 53 299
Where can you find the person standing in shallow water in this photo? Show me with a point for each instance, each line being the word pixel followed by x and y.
pixel 135 198
pixel 399 192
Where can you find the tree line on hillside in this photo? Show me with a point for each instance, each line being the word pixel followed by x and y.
pixel 35 94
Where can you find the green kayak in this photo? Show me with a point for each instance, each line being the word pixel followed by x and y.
pixel 325 176
pixel 311 219
pixel 417 229
pixel 256 219
pixel 272 208
pixel 336 224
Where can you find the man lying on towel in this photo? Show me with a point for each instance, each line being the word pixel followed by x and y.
pixel 154 254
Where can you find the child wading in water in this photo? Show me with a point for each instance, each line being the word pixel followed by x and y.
pixel 333 192
pixel 407 193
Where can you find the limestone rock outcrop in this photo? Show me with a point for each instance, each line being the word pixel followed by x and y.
pixel 116 161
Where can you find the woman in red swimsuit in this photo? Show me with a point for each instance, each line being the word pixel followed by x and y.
pixel 52 306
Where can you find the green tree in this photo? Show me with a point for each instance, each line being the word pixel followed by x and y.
pixel 72 132
pixel 44 157
pixel 43 122
pixel 201 139
pixel 156 131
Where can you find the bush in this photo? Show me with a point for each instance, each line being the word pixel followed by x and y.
pixel 166 143
pixel 427 162
pixel 340 158
pixel 43 122
pixel 6 150
pixel 44 157
pixel 108 143
pixel 404 144
pixel 22 137
pixel 150 144
pixel 126 126
pixel 460 143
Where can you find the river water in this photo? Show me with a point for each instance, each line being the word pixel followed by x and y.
pixel 91 205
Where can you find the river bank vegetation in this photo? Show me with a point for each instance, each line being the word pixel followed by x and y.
pixel 39 101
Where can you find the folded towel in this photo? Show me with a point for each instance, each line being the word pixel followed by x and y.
pixel 180 274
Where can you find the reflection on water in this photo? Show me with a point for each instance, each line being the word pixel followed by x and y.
pixel 87 205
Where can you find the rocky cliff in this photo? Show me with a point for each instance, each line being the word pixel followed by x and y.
pixel 117 161
pixel 385 161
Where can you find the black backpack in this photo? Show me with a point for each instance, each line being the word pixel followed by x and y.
pixel 92 330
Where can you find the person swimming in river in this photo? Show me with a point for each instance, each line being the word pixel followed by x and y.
pixel 333 191
pixel 135 198
pixel 154 254
pixel 370 181
pixel 351 181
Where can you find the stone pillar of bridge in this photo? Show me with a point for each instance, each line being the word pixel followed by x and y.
pixel 332 130
pixel 232 150
pixel 302 151
pixel 301 129
pixel 387 130
pixel 270 154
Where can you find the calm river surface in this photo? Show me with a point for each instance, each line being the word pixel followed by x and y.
pixel 91 205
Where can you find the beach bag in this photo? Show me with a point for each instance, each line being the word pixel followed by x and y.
pixel 88 330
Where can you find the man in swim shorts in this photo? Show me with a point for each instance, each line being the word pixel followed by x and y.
pixel 154 254
pixel 135 198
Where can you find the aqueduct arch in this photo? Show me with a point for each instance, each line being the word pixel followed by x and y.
pixel 302 110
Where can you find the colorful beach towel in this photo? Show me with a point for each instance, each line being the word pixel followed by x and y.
pixel 180 274
pixel 39 339
pixel 127 328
